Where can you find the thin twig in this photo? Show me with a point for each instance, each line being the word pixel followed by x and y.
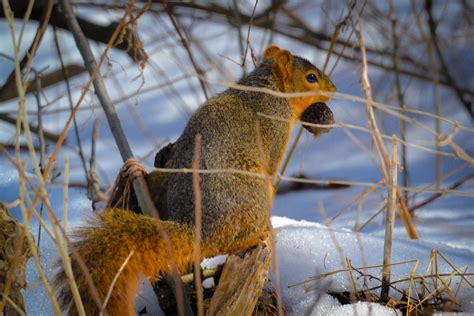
pixel 197 225
pixel 358 199
pixel 65 192
pixel 111 287
pixel 34 128
pixel 247 44
pixel 40 122
pixel 93 186
pixel 41 142
pixel 30 53
pixel 441 192
pixel 432 24
pixel 238 27
pixel 371 218
pixel 71 104
pixel 400 94
pixel 185 43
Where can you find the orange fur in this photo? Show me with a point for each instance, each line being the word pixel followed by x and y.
pixel 271 51
pixel 104 246
pixel 108 240
pixel 293 80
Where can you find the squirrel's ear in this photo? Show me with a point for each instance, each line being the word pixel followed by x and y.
pixel 283 65
pixel 271 52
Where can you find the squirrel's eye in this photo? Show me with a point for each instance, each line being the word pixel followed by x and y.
pixel 312 78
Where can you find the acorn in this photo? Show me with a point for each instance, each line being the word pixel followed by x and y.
pixel 318 113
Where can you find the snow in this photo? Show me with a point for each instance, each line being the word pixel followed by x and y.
pixel 308 249
pixel 305 246
pixel 361 308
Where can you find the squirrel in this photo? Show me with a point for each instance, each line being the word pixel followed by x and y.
pixel 235 206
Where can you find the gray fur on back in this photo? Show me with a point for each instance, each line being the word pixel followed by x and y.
pixel 227 124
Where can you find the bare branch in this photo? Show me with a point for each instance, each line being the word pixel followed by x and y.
pixel 93 31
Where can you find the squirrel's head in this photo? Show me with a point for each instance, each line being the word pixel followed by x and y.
pixel 295 74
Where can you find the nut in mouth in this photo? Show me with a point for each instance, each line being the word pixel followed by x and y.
pixel 318 113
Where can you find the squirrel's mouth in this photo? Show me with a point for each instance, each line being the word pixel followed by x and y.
pixel 318 113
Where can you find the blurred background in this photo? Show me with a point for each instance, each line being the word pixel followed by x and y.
pixel 170 56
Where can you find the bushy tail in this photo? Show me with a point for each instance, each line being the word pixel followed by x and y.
pixel 104 246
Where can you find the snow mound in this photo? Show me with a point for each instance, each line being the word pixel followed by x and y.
pixel 309 249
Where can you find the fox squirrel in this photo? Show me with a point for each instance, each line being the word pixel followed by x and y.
pixel 235 211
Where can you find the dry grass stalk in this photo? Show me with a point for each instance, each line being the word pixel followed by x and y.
pixel 44 197
pixel 40 138
pixel 359 199
pixel 197 226
pixel 23 118
pixel 271 232
pixel 437 107
pixel 389 222
pixel 109 292
pixel 312 181
pixel 26 214
pixel 63 251
pixel 353 281
pixel 435 290
pixel 412 275
pixel 403 211
pixel 400 94
pixel 371 218
pixel 319 277
pixel 360 241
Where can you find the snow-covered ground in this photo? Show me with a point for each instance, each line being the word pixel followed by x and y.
pixel 305 246
pixel 305 249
